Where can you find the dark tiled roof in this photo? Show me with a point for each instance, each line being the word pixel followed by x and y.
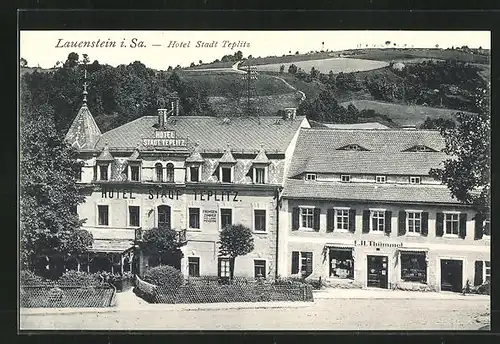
pixel 261 157
pixel 241 133
pixel 83 132
pixel 227 157
pixel 195 155
pixel 105 155
pixel 112 245
pixel 367 192
pixel 318 151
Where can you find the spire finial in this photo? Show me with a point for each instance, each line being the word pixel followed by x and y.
pixel 85 84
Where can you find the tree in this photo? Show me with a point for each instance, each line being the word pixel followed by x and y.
pixel 437 46
pixel 297 52
pixel 192 64
pixel 437 123
pixel 282 69
pixel 292 69
pixel 169 69
pixel 49 194
pixel 163 243
pixel 467 172
pixel 314 73
pixel 23 62
pixel 238 55
pixel 200 62
pixel 72 60
pixel 235 241
pixel 387 43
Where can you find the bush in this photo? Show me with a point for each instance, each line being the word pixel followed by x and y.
pixel 164 275
pixel 79 278
pixel 30 278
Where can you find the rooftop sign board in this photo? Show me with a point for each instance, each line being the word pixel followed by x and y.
pixel 164 138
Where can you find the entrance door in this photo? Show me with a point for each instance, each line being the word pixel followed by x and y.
pixel 377 272
pixel 451 275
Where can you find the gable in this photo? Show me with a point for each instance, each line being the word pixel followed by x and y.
pixel 353 147
pixel 419 148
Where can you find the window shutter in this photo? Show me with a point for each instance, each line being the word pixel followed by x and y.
pixel 309 263
pixel 295 218
pixel 478 229
pixel 366 221
pixel 425 223
pixel 330 220
pixel 439 224
pixel 295 262
pixel 317 211
pixel 388 221
pixel 352 220
pixel 219 264
pixel 402 222
pixel 462 231
pixel 478 272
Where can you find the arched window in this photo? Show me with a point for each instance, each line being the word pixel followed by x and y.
pixel 170 172
pixel 159 172
pixel 163 216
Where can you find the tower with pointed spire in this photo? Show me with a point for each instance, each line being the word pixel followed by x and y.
pixel 83 132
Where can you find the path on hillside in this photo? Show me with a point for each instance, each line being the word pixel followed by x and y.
pixel 232 69
pixel 302 94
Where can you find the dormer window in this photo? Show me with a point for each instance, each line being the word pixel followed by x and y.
pixel 380 179
pixel 353 147
pixel 194 174
pixel 259 175
pixel 415 180
pixel 103 172
pixel 135 173
pixel 159 172
pixel 420 148
pixel 226 174
pixel 311 176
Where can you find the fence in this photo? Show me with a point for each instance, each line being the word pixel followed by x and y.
pixel 63 296
pixel 210 290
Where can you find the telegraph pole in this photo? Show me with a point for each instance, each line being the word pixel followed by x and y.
pixel 251 74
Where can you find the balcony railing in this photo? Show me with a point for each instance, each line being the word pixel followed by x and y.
pixel 180 235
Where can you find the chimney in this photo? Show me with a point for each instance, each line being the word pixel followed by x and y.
pixel 291 113
pixel 162 117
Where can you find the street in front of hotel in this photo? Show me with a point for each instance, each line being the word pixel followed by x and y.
pixel 363 310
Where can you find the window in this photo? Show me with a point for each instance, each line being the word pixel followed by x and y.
pixel 451 224
pixel 194 173
pixel 79 173
pixel 134 173
pixel 414 221
pixel 226 174
pixel 103 215
pixel 487 271
pixel 341 263
pixel 159 172
pixel 226 218
pixel 194 218
pixel 377 220
pixel 307 215
pixel 413 267
pixel 163 216
pixel 414 180
pixel 103 169
pixel 133 213
pixel 194 266
pixel 310 176
pixel 224 267
pixel 302 262
pixel 420 148
pixel 259 175
pixel 259 268
pixel 342 219
pixel 380 179
pixel 260 220
pixel 170 173
pixel 346 178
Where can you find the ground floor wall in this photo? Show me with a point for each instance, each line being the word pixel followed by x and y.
pixel 459 264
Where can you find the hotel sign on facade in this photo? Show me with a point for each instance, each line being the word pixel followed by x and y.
pixel 164 138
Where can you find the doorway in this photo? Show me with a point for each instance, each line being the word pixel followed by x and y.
pixel 451 275
pixel 377 271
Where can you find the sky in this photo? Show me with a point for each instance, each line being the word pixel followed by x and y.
pixel 45 48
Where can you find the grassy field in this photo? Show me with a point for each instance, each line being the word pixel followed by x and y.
pixel 404 54
pixel 268 105
pixel 232 84
pixel 326 65
pixel 402 114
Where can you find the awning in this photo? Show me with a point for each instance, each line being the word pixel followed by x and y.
pixel 112 246
pixel 339 245
pixel 413 249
